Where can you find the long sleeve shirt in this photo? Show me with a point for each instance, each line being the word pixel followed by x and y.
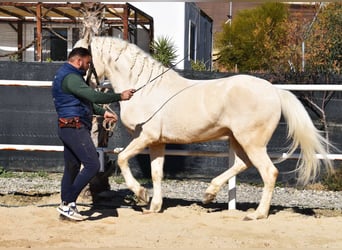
pixel 74 84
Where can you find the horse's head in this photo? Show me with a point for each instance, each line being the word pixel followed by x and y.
pixel 123 63
pixel 98 64
pixel 92 19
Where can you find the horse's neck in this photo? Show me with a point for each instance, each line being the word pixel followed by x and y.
pixel 127 66
pixel 140 72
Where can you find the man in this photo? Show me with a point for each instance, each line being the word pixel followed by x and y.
pixel 75 105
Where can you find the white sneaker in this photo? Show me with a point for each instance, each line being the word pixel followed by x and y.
pixel 70 211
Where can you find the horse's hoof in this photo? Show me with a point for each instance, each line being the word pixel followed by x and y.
pixel 208 198
pixel 254 216
pixel 247 218
pixel 142 196
pixel 148 211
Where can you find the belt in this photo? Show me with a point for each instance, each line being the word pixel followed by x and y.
pixel 73 122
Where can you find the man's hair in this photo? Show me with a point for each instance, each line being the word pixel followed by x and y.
pixel 81 52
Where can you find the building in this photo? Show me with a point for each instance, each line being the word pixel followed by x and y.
pixel 47 31
pixel 189 27
pixel 53 28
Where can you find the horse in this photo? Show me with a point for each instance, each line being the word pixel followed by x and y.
pixel 168 108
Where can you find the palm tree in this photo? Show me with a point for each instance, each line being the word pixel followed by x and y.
pixel 164 51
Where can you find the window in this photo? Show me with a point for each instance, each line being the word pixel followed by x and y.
pixel 75 35
pixel 54 44
pixel 192 41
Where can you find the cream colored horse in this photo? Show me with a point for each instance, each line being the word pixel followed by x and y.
pixel 172 109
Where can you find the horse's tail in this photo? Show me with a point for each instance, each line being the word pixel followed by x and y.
pixel 304 134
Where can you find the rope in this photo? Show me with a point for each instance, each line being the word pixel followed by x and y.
pixel 159 75
pixel 20 50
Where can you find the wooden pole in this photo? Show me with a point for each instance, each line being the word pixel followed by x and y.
pixel 125 23
pixel 20 39
pixel 39 32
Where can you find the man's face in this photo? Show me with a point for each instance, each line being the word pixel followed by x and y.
pixel 83 63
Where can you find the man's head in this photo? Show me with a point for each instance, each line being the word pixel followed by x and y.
pixel 80 58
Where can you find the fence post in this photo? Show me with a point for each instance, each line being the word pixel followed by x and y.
pixel 231 182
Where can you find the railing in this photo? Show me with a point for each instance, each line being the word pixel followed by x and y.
pixel 232 182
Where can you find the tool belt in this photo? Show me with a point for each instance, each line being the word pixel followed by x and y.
pixel 73 122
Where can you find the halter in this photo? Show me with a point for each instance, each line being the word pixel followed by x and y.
pixel 92 70
pixel 107 125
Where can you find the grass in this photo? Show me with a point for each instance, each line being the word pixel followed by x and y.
pixel 11 174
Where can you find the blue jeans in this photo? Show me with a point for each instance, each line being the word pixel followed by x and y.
pixel 78 149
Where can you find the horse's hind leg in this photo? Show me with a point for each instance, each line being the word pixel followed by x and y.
pixel 269 174
pixel 241 163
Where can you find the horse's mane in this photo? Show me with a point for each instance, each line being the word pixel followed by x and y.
pixel 141 65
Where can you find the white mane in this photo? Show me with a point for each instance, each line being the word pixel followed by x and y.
pixel 136 66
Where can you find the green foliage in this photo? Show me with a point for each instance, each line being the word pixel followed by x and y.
pixel 4 173
pixel 333 182
pixel 324 42
pixel 266 39
pixel 14 58
pixel 198 65
pixel 164 51
pixel 252 40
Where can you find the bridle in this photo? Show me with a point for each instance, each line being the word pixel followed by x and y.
pixel 92 70
pixel 108 126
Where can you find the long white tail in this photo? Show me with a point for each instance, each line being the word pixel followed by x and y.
pixel 304 134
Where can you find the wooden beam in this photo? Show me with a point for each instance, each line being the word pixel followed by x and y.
pixel 63 14
pixel 20 40
pixel 26 9
pixel 11 14
pixel 125 24
pixel 39 32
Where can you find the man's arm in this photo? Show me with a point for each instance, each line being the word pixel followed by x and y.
pixel 74 84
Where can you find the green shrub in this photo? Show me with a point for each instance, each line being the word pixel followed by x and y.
pixel 198 65
pixel 333 182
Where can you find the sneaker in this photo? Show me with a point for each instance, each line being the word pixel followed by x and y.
pixel 70 211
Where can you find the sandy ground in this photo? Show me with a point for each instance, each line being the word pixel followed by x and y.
pixel 182 224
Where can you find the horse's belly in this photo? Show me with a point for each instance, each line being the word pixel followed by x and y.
pixel 191 130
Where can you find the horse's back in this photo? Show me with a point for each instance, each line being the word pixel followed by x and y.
pixel 215 108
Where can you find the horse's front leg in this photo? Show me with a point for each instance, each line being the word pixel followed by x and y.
pixel 135 147
pixel 157 153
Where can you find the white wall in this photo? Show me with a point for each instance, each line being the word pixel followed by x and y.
pixel 8 40
pixel 168 19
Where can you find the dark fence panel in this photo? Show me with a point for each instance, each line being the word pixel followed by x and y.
pixel 28 117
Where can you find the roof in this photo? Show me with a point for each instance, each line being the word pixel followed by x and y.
pixel 67 12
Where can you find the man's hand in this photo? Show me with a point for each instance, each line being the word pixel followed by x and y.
pixel 127 94
pixel 110 116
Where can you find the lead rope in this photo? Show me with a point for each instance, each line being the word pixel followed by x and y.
pixel 110 126
pixel 153 79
